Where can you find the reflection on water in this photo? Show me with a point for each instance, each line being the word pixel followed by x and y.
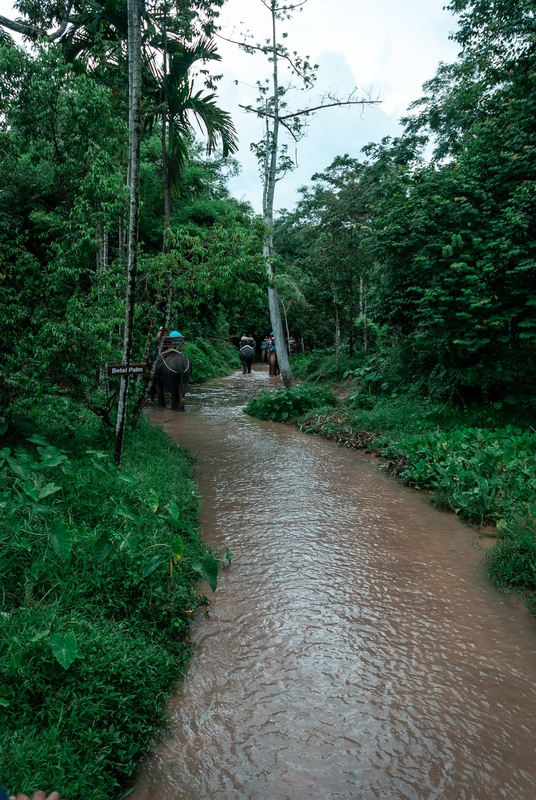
pixel 354 648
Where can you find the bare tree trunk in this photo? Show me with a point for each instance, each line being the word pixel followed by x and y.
pixel 351 312
pixel 268 214
pixel 145 381
pixel 337 327
pixel 286 327
pixel 365 320
pixel 105 250
pixel 166 177
pixel 134 61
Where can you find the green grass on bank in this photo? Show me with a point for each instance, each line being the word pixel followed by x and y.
pixel 94 626
pixel 211 360
pixel 476 460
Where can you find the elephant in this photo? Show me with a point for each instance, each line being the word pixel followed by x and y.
pixel 247 354
pixel 172 372
pixel 273 363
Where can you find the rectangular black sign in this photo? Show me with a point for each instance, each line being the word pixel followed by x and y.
pixel 117 370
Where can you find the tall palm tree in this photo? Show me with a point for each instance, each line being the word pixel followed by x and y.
pixel 179 106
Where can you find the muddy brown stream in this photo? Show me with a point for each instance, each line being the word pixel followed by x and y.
pixel 355 647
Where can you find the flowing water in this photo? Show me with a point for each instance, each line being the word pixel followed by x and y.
pixel 355 647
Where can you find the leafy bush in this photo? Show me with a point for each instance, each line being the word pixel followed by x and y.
pixel 288 404
pixel 512 562
pixel 98 568
pixel 481 474
pixel 209 360
pixel 323 363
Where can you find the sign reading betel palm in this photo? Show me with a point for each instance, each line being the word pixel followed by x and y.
pixel 117 370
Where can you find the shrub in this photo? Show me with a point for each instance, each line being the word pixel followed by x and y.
pixel 481 474
pixel 209 360
pixel 323 363
pixel 99 569
pixel 512 562
pixel 288 404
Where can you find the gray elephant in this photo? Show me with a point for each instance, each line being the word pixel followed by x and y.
pixel 172 372
pixel 273 363
pixel 247 354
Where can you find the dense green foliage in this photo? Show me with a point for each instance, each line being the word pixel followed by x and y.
pixel 439 253
pixel 62 238
pixel 211 360
pixel 288 404
pixel 482 475
pixel 94 627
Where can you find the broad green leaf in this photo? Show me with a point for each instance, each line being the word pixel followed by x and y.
pixel 127 513
pixel 53 461
pixel 103 547
pixel 98 454
pixel 64 648
pixel 48 489
pixel 19 470
pixel 39 636
pixel 177 546
pixel 123 476
pixel 31 490
pixel 173 509
pixel 4 452
pixel 208 570
pixel 36 439
pixel 153 563
pixel 3 428
pixel 4 703
pixel 61 538
pixel 130 543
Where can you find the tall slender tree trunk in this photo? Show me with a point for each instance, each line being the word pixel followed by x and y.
pixel 272 140
pixel 134 70
pixel 351 312
pixel 166 177
pixel 365 319
pixel 145 381
pixel 337 326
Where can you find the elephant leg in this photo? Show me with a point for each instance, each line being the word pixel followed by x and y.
pixel 182 392
pixel 161 396
pixel 175 396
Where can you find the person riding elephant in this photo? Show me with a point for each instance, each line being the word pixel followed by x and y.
pixel 264 349
pixel 172 372
pixel 247 353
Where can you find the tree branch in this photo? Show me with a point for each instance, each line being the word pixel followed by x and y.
pixel 264 49
pixel 33 32
pixel 303 111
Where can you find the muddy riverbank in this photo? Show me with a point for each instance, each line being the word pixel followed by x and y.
pixel 355 648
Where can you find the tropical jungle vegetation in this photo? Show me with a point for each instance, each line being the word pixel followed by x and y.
pixel 99 565
pixel 411 272
pixel 407 273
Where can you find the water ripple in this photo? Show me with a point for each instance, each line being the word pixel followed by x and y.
pixel 355 647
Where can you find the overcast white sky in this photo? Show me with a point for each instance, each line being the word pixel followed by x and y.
pixel 387 47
